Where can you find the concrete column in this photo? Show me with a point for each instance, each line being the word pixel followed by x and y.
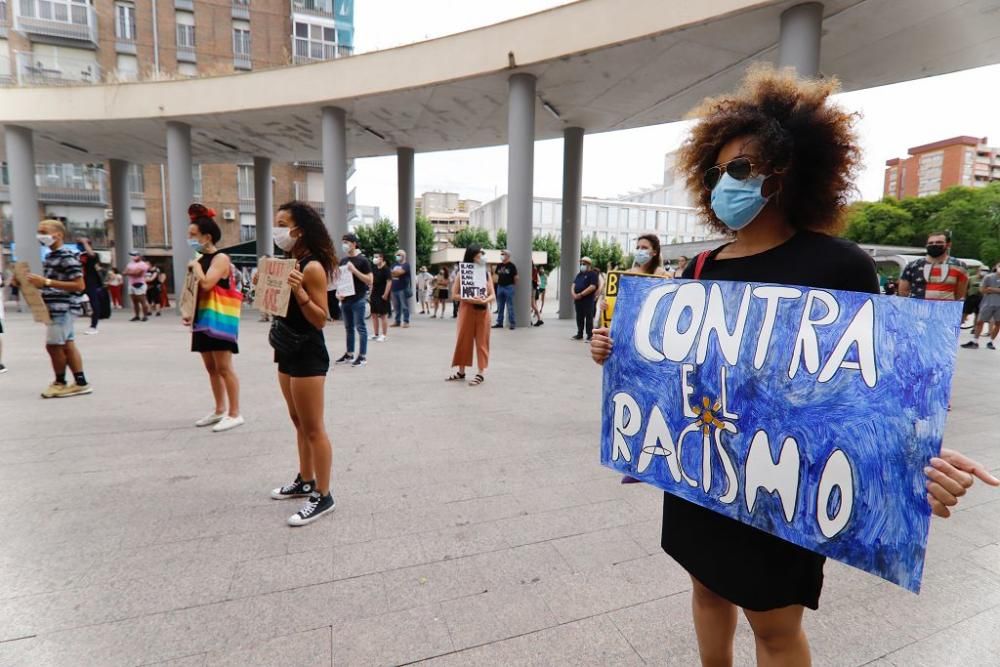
pixel 181 186
pixel 571 200
pixel 23 194
pixel 121 208
pixel 407 215
pixel 335 172
pixel 520 181
pixel 799 42
pixel 263 198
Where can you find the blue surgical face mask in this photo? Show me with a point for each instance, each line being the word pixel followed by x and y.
pixel 737 203
pixel 641 257
pixel 196 245
pixel 346 248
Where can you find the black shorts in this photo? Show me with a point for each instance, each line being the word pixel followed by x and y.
pixel 311 360
pixel 380 306
pixel 442 295
pixel 202 342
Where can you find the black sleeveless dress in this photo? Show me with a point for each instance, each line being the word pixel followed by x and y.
pixel 201 341
pixel 312 359
pixel 750 568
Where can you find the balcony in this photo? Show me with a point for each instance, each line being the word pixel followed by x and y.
pixel 242 61
pixel 56 21
pixel 241 9
pixel 125 45
pixel 67 184
pixel 313 7
pixel 65 71
pixel 184 5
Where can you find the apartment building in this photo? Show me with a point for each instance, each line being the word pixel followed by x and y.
pixel 80 42
pixel 447 212
pixel 935 167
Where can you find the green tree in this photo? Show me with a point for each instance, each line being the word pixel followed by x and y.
pixel 425 241
pixel 550 245
pixel 501 242
pixel 380 238
pixel 605 255
pixel 879 222
pixel 466 237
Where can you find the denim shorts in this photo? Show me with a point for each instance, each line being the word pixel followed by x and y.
pixel 60 331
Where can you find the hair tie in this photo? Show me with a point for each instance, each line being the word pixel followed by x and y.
pixel 210 212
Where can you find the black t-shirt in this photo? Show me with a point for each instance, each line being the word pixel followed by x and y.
pixel 505 274
pixel 362 264
pixel 717 550
pixel 583 280
pixel 91 278
pixel 380 276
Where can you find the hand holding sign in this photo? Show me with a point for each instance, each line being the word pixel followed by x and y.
pixel 274 288
pixel 472 281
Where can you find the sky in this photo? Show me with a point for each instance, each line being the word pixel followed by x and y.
pixel 893 118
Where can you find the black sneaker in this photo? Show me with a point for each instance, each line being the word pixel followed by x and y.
pixel 144 319
pixel 498 326
pixel 134 319
pixel 346 359
pixel 512 327
pixel 315 507
pixel 578 337
pixel 3 369
pixel 359 362
pixel 296 489
pixel 989 346
pixel 971 345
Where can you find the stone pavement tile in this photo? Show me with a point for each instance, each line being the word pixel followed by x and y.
pixel 565 522
pixel 21 653
pixel 391 553
pixel 432 582
pixel 592 641
pixel 977 525
pixel 496 614
pixel 598 549
pixel 467 540
pixel 308 649
pixel 205 557
pixel 336 602
pixel 392 639
pixel 872 634
pixel 344 527
pixel 267 575
pixel 533 498
pixel 842 583
pixel 529 564
pixel 662 632
pixel 197 660
pixel 44 571
pixel 973 642
pixel 647 533
pixel 949 539
pixel 24 616
pixel 987 557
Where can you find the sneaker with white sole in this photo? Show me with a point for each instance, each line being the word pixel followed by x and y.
pixel 227 423
pixel 314 507
pixel 75 390
pixel 296 489
pixel 53 390
pixel 210 419
pixel 380 338
pixel 359 362
pixel 346 359
pixel 3 369
pixel 91 331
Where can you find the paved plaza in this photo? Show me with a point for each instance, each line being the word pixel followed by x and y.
pixel 474 526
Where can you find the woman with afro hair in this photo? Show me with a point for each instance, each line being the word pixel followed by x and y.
pixel 771 166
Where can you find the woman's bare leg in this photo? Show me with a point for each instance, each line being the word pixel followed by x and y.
pixel 224 364
pixel 305 459
pixel 307 393
pixel 779 637
pixel 218 386
pixel 714 624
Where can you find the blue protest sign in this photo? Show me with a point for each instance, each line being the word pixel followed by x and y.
pixel 807 413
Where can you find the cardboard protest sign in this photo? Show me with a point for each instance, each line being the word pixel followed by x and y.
pixel 273 290
pixel 189 296
pixel 31 294
pixel 344 281
pixel 807 413
pixel 472 280
pixel 611 295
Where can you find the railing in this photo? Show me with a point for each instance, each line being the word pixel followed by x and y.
pixel 56 19
pixel 308 52
pixel 242 61
pixel 241 9
pixel 64 70
pixel 317 7
pixel 125 45
pixel 139 239
pixel 98 235
pixel 71 184
pixel 248 233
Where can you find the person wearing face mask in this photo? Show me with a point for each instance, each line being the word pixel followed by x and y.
pixel 135 277
pixel 353 307
pixel 381 285
pixel 215 325
pixel 61 283
pixel 402 289
pixel 772 166
pixel 989 311
pixel 583 291
pixel 936 277
pixel 473 330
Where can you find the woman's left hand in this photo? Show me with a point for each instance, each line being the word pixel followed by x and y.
pixel 295 279
pixel 949 477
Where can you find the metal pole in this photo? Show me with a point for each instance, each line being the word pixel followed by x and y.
pixel 520 181
pixel 571 202
pixel 407 214
pixel 263 197
pixel 121 209
pixel 334 126
pixel 23 194
pixel 181 192
pixel 799 41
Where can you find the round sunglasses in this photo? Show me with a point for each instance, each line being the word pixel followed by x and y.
pixel 740 168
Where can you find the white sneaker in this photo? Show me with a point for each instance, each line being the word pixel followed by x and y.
pixel 209 419
pixel 91 331
pixel 380 338
pixel 372 337
pixel 227 423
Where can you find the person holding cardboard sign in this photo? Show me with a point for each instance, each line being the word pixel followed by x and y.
pixel 771 166
pixel 301 354
pixel 473 318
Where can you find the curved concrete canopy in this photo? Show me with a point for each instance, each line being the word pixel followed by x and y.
pixel 601 66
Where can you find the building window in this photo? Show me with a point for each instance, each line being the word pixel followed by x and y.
pixel 536 213
pixel 196 178
pixel 67 11
pixel 125 21
pixel 602 216
pixel 241 44
pixel 314 41
pixel 590 215
pixel 244 183
pixel 136 180
pixel 127 67
pixel 185 32
pixel 187 69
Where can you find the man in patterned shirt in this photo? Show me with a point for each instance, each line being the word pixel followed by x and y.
pixel 936 277
pixel 60 285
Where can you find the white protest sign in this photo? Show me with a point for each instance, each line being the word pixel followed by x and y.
pixel 472 280
pixel 344 281
pixel 273 290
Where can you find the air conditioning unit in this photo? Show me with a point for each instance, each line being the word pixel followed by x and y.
pixel 109 214
pixel 228 214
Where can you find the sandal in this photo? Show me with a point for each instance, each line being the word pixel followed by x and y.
pixel 456 377
pixel 476 381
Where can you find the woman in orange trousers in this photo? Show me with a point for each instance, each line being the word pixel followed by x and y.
pixel 473 323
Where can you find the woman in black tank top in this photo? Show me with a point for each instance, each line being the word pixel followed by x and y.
pixel 299 231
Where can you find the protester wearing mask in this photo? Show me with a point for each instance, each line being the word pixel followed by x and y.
pixel 402 289
pixel 381 286
pixel 473 330
pixel 353 307
pixel 989 311
pixel 584 291
pixel 61 285
pixel 938 276
pixel 135 277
